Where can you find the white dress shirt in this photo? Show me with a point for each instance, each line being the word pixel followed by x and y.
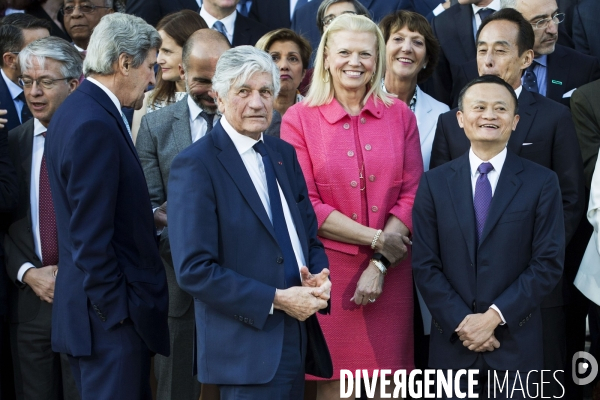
pixel 228 21
pixel 110 94
pixel 494 5
pixel 14 90
pixel 198 125
pixel 37 151
pixel 256 169
pixel 497 162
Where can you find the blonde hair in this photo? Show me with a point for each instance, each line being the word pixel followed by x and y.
pixel 322 92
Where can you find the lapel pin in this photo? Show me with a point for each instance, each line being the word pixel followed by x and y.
pixel 556 82
pixel 280 163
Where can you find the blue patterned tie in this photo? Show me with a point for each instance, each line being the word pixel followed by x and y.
pixel 126 124
pixel 25 113
pixel 292 273
pixel 483 197
pixel 243 7
pixel 299 4
pixel 220 27
pixel 484 13
pixel 530 79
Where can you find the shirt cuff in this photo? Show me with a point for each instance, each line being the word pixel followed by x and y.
pixel 22 271
pixel 271 312
pixel 158 231
pixel 493 307
pixel 439 9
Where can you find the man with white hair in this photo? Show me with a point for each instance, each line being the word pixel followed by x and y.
pixel 50 71
pixel 110 303
pixel 244 241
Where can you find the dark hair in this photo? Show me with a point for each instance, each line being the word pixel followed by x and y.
pixel 392 23
pixel 488 79
pixel 11 40
pixel 360 10
pixel 286 35
pixel 526 36
pixel 26 21
pixel 179 26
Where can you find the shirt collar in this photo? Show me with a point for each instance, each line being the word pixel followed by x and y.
pixel 518 91
pixel 497 161
pixel 241 142
pixel 79 49
pixel 494 5
pixel 194 109
pixel 412 104
pixel 13 88
pixel 228 21
pixel 38 128
pixel 110 94
pixel 542 60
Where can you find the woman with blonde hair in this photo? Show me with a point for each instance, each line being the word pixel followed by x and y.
pixel 359 150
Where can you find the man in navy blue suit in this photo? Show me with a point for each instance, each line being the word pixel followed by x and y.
pixel 244 241
pixel 111 301
pixel 485 282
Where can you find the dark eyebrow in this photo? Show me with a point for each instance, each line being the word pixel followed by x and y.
pixel 544 15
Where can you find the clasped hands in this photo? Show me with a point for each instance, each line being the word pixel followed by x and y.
pixel 303 301
pixel 41 280
pixel 476 331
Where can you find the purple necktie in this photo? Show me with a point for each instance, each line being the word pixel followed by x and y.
pixel 47 219
pixel 483 196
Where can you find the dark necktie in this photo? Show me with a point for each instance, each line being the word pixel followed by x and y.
pixel 220 27
pixel 25 113
pixel 483 196
pixel 47 219
pixel 209 120
pixel 292 274
pixel 299 4
pixel 530 80
pixel 484 13
pixel 244 7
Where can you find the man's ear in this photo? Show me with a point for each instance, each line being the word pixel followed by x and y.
pixel 459 117
pixel 124 63
pixel 9 60
pixel 181 72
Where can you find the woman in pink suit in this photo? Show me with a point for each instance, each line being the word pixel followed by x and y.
pixel 360 153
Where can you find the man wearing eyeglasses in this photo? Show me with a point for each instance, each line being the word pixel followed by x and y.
pixel 32 242
pixel 81 17
pixel 556 70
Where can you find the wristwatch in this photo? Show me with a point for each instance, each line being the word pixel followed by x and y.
pixel 380 257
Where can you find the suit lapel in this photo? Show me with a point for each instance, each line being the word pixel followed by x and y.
pixel 422 110
pixel 467 36
pixel 182 135
pixel 233 164
pixel 557 71
pixel 508 185
pixel 26 148
pixel 527 113
pixel 461 192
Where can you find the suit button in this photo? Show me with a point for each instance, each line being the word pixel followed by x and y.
pixel 346 126
pixel 354 216
pixel 374 208
pixel 372 178
pixel 251 322
pixel 520 324
pixel 368 147
pixel 103 319
pixel 350 153
pixel 246 320
pixel 241 318
pixel 441 331
pixel 353 184
pixel 235 316
pixel 363 121
pixel 279 260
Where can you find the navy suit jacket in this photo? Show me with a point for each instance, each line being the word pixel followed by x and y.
pixel 545 135
pixel 518 260
pixel 247 31
pixel 226 256
pixel 108 248
pixel 585 27
pixel 152 11
pixel 272 14
pixel 7 103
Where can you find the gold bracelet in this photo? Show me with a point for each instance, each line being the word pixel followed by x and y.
pixel 376 238
pixel 379 266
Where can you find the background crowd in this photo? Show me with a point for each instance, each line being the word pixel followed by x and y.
pixel 369 104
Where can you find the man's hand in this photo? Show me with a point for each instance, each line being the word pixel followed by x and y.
pixel 393 246
pixel 489 345
pixel 41 280
pixel 369 286
pixel 160 216
pixel 300 302
pixel 3 121
pixel 476 329
pixel 321 280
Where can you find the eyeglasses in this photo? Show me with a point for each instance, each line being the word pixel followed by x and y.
pixel 543 23
pixel 46 83
pixel 83 8
pixel 329 18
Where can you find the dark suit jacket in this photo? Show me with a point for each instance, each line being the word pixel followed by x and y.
pixel 247 31
pixel 226 255
pixel 272 14
pixel 152 11
pixel 585 106
pixel 107 240
pixel 19 242
pixel 425 7
pixel 7 103
pixel 545 135
pixel 585 27
pixel 515 266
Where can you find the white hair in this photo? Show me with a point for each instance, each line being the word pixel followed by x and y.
pixel 117 34
pixel 238 64
pixel 56 49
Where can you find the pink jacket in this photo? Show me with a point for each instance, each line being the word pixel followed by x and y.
pixel 389 141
